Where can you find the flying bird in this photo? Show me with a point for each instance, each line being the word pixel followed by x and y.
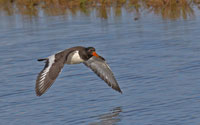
pixel 74 55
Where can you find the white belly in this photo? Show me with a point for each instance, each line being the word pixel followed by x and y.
pixel 74 58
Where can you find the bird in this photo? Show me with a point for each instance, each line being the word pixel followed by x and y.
pixel 74 55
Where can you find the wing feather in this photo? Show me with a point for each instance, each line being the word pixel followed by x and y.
pixel 48 75
pixel 101 68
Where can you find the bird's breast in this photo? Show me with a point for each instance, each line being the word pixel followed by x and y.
pixel 74 58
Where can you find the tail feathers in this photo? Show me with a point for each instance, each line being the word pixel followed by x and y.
pixel 42 59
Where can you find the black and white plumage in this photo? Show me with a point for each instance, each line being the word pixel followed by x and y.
pixel 74 55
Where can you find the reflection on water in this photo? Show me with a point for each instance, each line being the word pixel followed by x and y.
pixel 173 9
pixel 109 118
pixel 168 9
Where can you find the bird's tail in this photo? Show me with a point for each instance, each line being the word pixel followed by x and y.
pixel 42 59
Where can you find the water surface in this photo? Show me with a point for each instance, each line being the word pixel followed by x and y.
pixel 156 63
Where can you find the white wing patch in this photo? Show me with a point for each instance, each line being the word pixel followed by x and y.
pixel 51 60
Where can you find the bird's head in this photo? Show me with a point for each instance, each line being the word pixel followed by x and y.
pixel 91 51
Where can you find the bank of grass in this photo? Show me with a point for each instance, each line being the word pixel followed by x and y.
pixel 168 9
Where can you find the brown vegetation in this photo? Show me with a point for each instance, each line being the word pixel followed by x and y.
pixel 168 9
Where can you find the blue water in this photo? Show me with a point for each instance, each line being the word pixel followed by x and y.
pixel 156 63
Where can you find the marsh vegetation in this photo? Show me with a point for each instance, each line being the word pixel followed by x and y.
pixel 168 9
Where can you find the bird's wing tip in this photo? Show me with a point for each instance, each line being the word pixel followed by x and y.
pixel 38 93
pixel 120 91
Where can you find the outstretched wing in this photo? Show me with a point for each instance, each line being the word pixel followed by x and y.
pixel 101 68
pixel 48 75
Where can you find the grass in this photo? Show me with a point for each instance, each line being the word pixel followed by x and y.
pixel 168 9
